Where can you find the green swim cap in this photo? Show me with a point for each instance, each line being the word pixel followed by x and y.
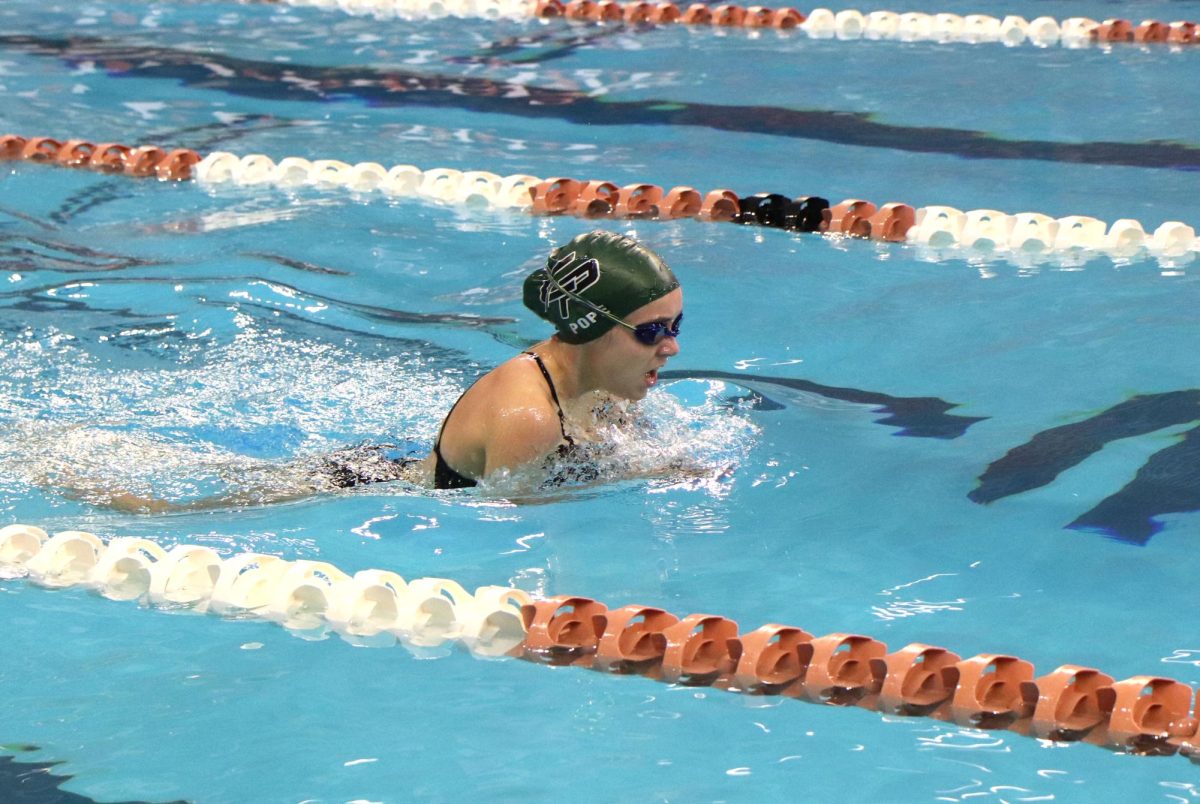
pixel 596 273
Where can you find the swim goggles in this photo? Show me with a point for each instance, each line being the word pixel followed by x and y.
pixel 650 334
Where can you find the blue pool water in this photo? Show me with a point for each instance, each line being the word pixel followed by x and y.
pixel 161 337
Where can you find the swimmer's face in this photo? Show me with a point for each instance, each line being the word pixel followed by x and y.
pixel 624 366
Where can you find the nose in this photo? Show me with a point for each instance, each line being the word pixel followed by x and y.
pixel 668 347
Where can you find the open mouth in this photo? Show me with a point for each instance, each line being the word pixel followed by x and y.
pixel 651 377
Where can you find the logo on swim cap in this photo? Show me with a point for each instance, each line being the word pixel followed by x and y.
pixel 590 283
pixel 568 280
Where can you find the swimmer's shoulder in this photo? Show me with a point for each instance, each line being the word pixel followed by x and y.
pixel 505 419
pixel 516 384
pixel 520 418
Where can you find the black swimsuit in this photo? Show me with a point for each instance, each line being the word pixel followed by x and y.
pixel 378 463
pixel 444 476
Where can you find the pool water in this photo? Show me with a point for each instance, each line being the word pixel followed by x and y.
pixel 846 395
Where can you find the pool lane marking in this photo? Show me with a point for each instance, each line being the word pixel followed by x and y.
pixel 395 87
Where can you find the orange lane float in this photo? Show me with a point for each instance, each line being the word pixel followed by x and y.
pixel 758 17
pixel 574 10
pixel 11 147
pixel 728 15
pixel 75 153
pixel 633 639
pixel 701 649
pixel 844 669
pixel 177 165
pixel 554 196
pixel 637 12
pixel 1069 702
pixel 852 217
pixel 892 222
pixel 720 205
pixel 917 679
pixel 109 157
pixel 562 630
pixel 596 199
pixel 607 11
pixel 993 691
pixel 142 161
pixel 638 201
pixel 773 658
pixel 665 14
pixel 1115 30
pixel 681 202
pixel 697 14
pixel 1151 31
pixel 786 18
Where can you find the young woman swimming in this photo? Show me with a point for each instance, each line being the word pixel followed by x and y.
pixel 616 308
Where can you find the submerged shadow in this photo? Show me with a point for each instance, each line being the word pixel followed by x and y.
pixel 917 416
pixel 37 783
pixel 24 254
pixel 1169 482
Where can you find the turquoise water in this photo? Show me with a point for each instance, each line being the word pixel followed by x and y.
pixel 155 334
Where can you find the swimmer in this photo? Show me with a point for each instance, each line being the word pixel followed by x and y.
pixel 616 308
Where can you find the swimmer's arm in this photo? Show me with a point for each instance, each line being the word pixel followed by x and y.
pixel 129 503
pixel 675 470
pixel 134 504
pixel 520 436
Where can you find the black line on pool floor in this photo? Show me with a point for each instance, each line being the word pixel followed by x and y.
pixel 296 82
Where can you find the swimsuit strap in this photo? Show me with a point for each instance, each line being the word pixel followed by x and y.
pixel 562 421
pixel 437 444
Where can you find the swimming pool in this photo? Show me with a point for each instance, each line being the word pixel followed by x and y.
pixel 155 331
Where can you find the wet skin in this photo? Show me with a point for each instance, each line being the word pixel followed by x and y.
pixel 509 418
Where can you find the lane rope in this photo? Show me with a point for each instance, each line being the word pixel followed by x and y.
pixel 1145 714
pixel 936 229
pixel 820 23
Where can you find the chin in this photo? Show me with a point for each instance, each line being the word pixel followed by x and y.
pixel 630 394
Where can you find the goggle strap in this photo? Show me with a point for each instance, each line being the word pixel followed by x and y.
pixel 577 298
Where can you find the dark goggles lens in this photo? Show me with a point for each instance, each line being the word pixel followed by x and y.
pixel 652 334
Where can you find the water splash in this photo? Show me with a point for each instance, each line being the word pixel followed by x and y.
pixel 236 418
pixel 691 433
